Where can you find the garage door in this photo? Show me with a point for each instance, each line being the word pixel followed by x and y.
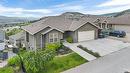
pixel 86 35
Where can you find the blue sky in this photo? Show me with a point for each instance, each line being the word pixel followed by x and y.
pixel 40 8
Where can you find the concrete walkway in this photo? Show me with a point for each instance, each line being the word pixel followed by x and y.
pixel 79 51
pixel 3 64
pixel 117 62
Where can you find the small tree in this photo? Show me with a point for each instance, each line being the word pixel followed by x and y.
pixel 35 61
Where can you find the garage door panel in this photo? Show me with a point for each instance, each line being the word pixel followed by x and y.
pixel 86 35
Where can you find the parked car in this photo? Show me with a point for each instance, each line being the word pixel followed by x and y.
pixel 118 33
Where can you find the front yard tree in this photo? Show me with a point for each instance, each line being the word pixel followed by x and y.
pixel 35 61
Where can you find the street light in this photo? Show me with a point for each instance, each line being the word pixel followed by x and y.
pixel 16 50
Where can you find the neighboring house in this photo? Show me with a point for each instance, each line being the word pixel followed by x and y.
pixel 121 23
pixel 2 36
pixel 56 28
pixel 3 55
pixel 17 40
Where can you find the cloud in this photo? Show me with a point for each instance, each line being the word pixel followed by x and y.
pixel 109 10
pixel 115 3
pixel 9 10
pixel 74 6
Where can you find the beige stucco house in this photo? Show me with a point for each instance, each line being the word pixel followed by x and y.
pixel 79 26
pixel 121 23
pixel 56 28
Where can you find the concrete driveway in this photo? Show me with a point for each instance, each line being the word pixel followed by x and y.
pixel 117 62
pixel 103 46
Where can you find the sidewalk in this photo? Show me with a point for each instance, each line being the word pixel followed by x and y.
pixel 79 51
pixel 3 63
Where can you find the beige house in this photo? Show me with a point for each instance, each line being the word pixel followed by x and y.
pixel 79 26
pixel 121 23
pixel 56 28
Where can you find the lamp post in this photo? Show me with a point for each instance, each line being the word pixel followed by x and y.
pixel 16 50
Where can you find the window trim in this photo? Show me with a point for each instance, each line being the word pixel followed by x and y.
pixel 52 37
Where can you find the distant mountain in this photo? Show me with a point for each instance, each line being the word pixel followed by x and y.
pixel 11 20
pixel 116 14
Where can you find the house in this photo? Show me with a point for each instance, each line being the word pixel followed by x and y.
pixel 2 36
pixel 17 40
pixel 3 55
pixel 79 26
pixel 121 23
pixel 56 28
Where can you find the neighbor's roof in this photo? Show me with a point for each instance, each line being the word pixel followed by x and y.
pixel 123 19
pixel 61 22
pixel 17 36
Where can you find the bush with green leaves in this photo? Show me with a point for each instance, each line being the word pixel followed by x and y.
pixel 35 61
pixel 69 39
pixel 89 51
pixel 53 46
pixel 14 61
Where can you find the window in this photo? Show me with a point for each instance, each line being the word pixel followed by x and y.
pixel 53 37
pixel 27 36
pixel 103 26
pixel 109 26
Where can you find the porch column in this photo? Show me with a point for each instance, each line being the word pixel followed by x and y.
pixel 41 42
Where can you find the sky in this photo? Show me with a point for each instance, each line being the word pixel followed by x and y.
pixel 41 8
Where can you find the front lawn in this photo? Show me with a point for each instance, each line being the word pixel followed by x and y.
pixel 59 64
pixel 7 69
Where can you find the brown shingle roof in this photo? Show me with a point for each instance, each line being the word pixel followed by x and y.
pixel 61 22
pixel 123 19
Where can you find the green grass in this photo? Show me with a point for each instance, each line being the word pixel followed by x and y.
pixel 6 70
pixel 59 64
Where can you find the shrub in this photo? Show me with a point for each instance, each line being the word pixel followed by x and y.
pixel 69 39
pixel 35 61
pixel 14 61
pixel 89 51
pixel 53 46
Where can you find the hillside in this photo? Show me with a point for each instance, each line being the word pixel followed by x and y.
pixel 11 20
pixel 116 14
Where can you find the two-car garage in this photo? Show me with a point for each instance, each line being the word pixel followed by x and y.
pixel 86 35
pixel 87 32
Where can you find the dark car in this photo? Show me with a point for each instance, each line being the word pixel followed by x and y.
pixel 118 33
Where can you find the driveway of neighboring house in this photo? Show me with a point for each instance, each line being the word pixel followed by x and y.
pixel 117 62
pixel 103 46
pixel 125 39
